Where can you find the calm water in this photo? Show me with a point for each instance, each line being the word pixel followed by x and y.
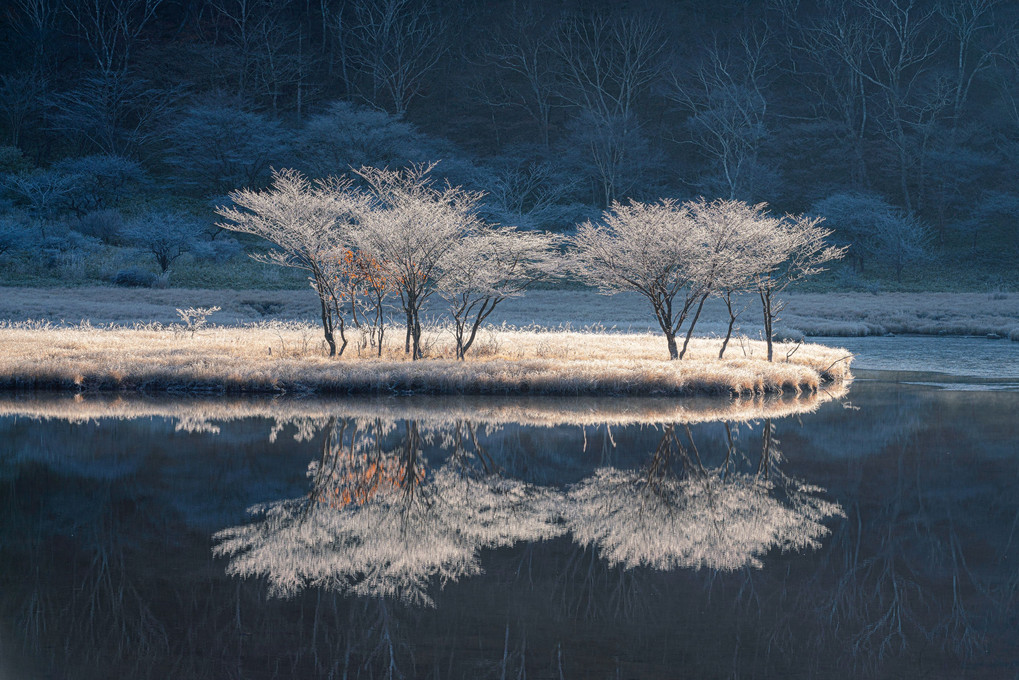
pixel 872 535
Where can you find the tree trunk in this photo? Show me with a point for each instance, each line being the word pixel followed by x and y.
pixel 327 327
pixel 673 350
pixel 732 322
pixel 693 322
pixel 410 328
pixel 414 324
pixel 768 320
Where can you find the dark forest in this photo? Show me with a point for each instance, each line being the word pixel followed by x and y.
pixel 123 123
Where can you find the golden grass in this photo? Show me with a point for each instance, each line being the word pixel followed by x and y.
pixel 203 414
pixel 288 358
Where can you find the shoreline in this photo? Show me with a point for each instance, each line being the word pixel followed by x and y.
pixel 195 413
pixel 289 360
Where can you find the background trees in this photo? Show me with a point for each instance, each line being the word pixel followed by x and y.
pixel 911 102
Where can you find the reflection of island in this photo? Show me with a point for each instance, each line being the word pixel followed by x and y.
pixel 675 512
pixel 380 522
pixel 105 564
pixel 382 519
pixel 195 414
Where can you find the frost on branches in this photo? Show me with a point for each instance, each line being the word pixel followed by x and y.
pixel 679 254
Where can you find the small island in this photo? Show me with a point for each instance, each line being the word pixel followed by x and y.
pixel 278 358
pixel 385 254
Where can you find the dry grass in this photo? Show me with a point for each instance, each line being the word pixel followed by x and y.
pixel 811 314
pixel 289 358
pixel 848 314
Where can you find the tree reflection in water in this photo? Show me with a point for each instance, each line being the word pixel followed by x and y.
pixel 106 569
pixel 379 522
pixel 676 513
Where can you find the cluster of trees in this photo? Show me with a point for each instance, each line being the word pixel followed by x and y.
pixel 902 112
pixel 399 233
pixel 74 206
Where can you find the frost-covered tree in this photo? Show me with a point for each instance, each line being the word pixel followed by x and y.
pixel 381 521
pixel 529 193
pixel 874 230
pixel 413 228
pixel 794 247
pixel 309 224
pixel 734 249
pixel 647 248
pixel 487 267
pixel 348 136
pixel 674 513
pixel 13 235
pixel 42 190
pixel 99 181
pixel 167 236
pixel 219 145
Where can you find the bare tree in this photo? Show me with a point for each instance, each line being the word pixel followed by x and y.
pixel 524 49
pixel 529 192
pixel 114 113
pixel 43 190
pixel 795 247
pixel 833 46
pixel 167 236
pixel 395 43
pixel 37 21
pixel 903 43
pixel 650 249
pixel 732 250
pixel 309 224
pixel 21 100
pixel 276 67
pixel 968 22
pixel 608 64
pixel 216 145
pixel 874 229
pixel 412 231
pixel 488 267
pixel 726 99
pixel 111 28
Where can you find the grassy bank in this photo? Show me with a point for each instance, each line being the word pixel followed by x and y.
pixel 288 358
pixel 807 314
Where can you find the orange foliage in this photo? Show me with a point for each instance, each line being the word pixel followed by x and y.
pixel 357 479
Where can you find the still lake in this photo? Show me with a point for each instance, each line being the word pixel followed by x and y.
pixel 871 533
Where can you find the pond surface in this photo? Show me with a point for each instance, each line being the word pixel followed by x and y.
pixel 950 355
pixel 868 534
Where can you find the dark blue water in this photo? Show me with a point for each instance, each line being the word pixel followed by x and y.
pixel 870 536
